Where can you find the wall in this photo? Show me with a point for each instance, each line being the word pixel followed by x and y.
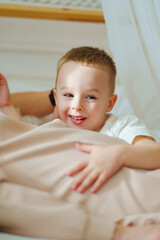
pixel 30 49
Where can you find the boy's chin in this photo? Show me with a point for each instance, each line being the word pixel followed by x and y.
pixel 77 126
pixel 71 125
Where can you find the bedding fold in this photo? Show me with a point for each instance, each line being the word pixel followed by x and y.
pixel 35 195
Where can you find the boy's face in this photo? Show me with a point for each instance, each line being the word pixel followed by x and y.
pixel 83 96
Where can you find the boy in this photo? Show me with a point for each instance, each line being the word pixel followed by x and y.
pixel 84 96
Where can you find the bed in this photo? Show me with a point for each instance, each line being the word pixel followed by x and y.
pixel 88 11
pixel 32 179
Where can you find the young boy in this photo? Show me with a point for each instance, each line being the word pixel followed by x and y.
pixel 84 96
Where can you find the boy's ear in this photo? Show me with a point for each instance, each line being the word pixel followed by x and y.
pixel 112 102
pixel 55 95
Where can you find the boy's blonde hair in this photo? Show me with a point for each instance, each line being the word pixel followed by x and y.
pixel 92 57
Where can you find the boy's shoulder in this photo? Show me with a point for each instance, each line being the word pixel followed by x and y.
pixel 122 120
pixel 125 127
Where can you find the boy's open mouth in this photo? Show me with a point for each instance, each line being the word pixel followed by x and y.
pixel 77 119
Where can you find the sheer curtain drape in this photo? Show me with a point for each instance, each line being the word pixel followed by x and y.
pixel 133 28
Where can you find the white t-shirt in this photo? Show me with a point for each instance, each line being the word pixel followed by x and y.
pixel 126 127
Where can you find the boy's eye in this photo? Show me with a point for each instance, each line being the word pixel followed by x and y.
pixel 68 95
pixel 91 97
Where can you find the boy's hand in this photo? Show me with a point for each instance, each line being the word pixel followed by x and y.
pixel 101 164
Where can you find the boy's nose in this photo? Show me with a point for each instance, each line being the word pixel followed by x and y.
pixel 78 108
pixel 77 105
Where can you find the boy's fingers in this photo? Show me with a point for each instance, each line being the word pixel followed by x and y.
pixel 3 80
pixel 1 75
pixel 88 181
pixel 99 182
pixel 77 168
pixel 78 181
pixel 84 147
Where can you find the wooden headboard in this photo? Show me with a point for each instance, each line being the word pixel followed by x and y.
pixel 40 12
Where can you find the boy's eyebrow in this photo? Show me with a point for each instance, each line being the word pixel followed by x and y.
pixel 89 89
pixel 63 88
pixel 93 90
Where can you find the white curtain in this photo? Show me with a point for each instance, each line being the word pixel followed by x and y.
pixel 133 28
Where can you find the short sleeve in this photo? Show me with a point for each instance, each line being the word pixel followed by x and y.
pixel 126 127
pixel 130 127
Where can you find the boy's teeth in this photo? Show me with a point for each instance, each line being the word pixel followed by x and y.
pixel 78 118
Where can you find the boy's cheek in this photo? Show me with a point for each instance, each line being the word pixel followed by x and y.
pixel 56 113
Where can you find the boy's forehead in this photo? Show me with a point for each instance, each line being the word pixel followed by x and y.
pixel 72 66
pixel 72 73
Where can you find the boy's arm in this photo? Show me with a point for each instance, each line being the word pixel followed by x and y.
pixel 33 103
pixel 143 154
pixel 104 161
